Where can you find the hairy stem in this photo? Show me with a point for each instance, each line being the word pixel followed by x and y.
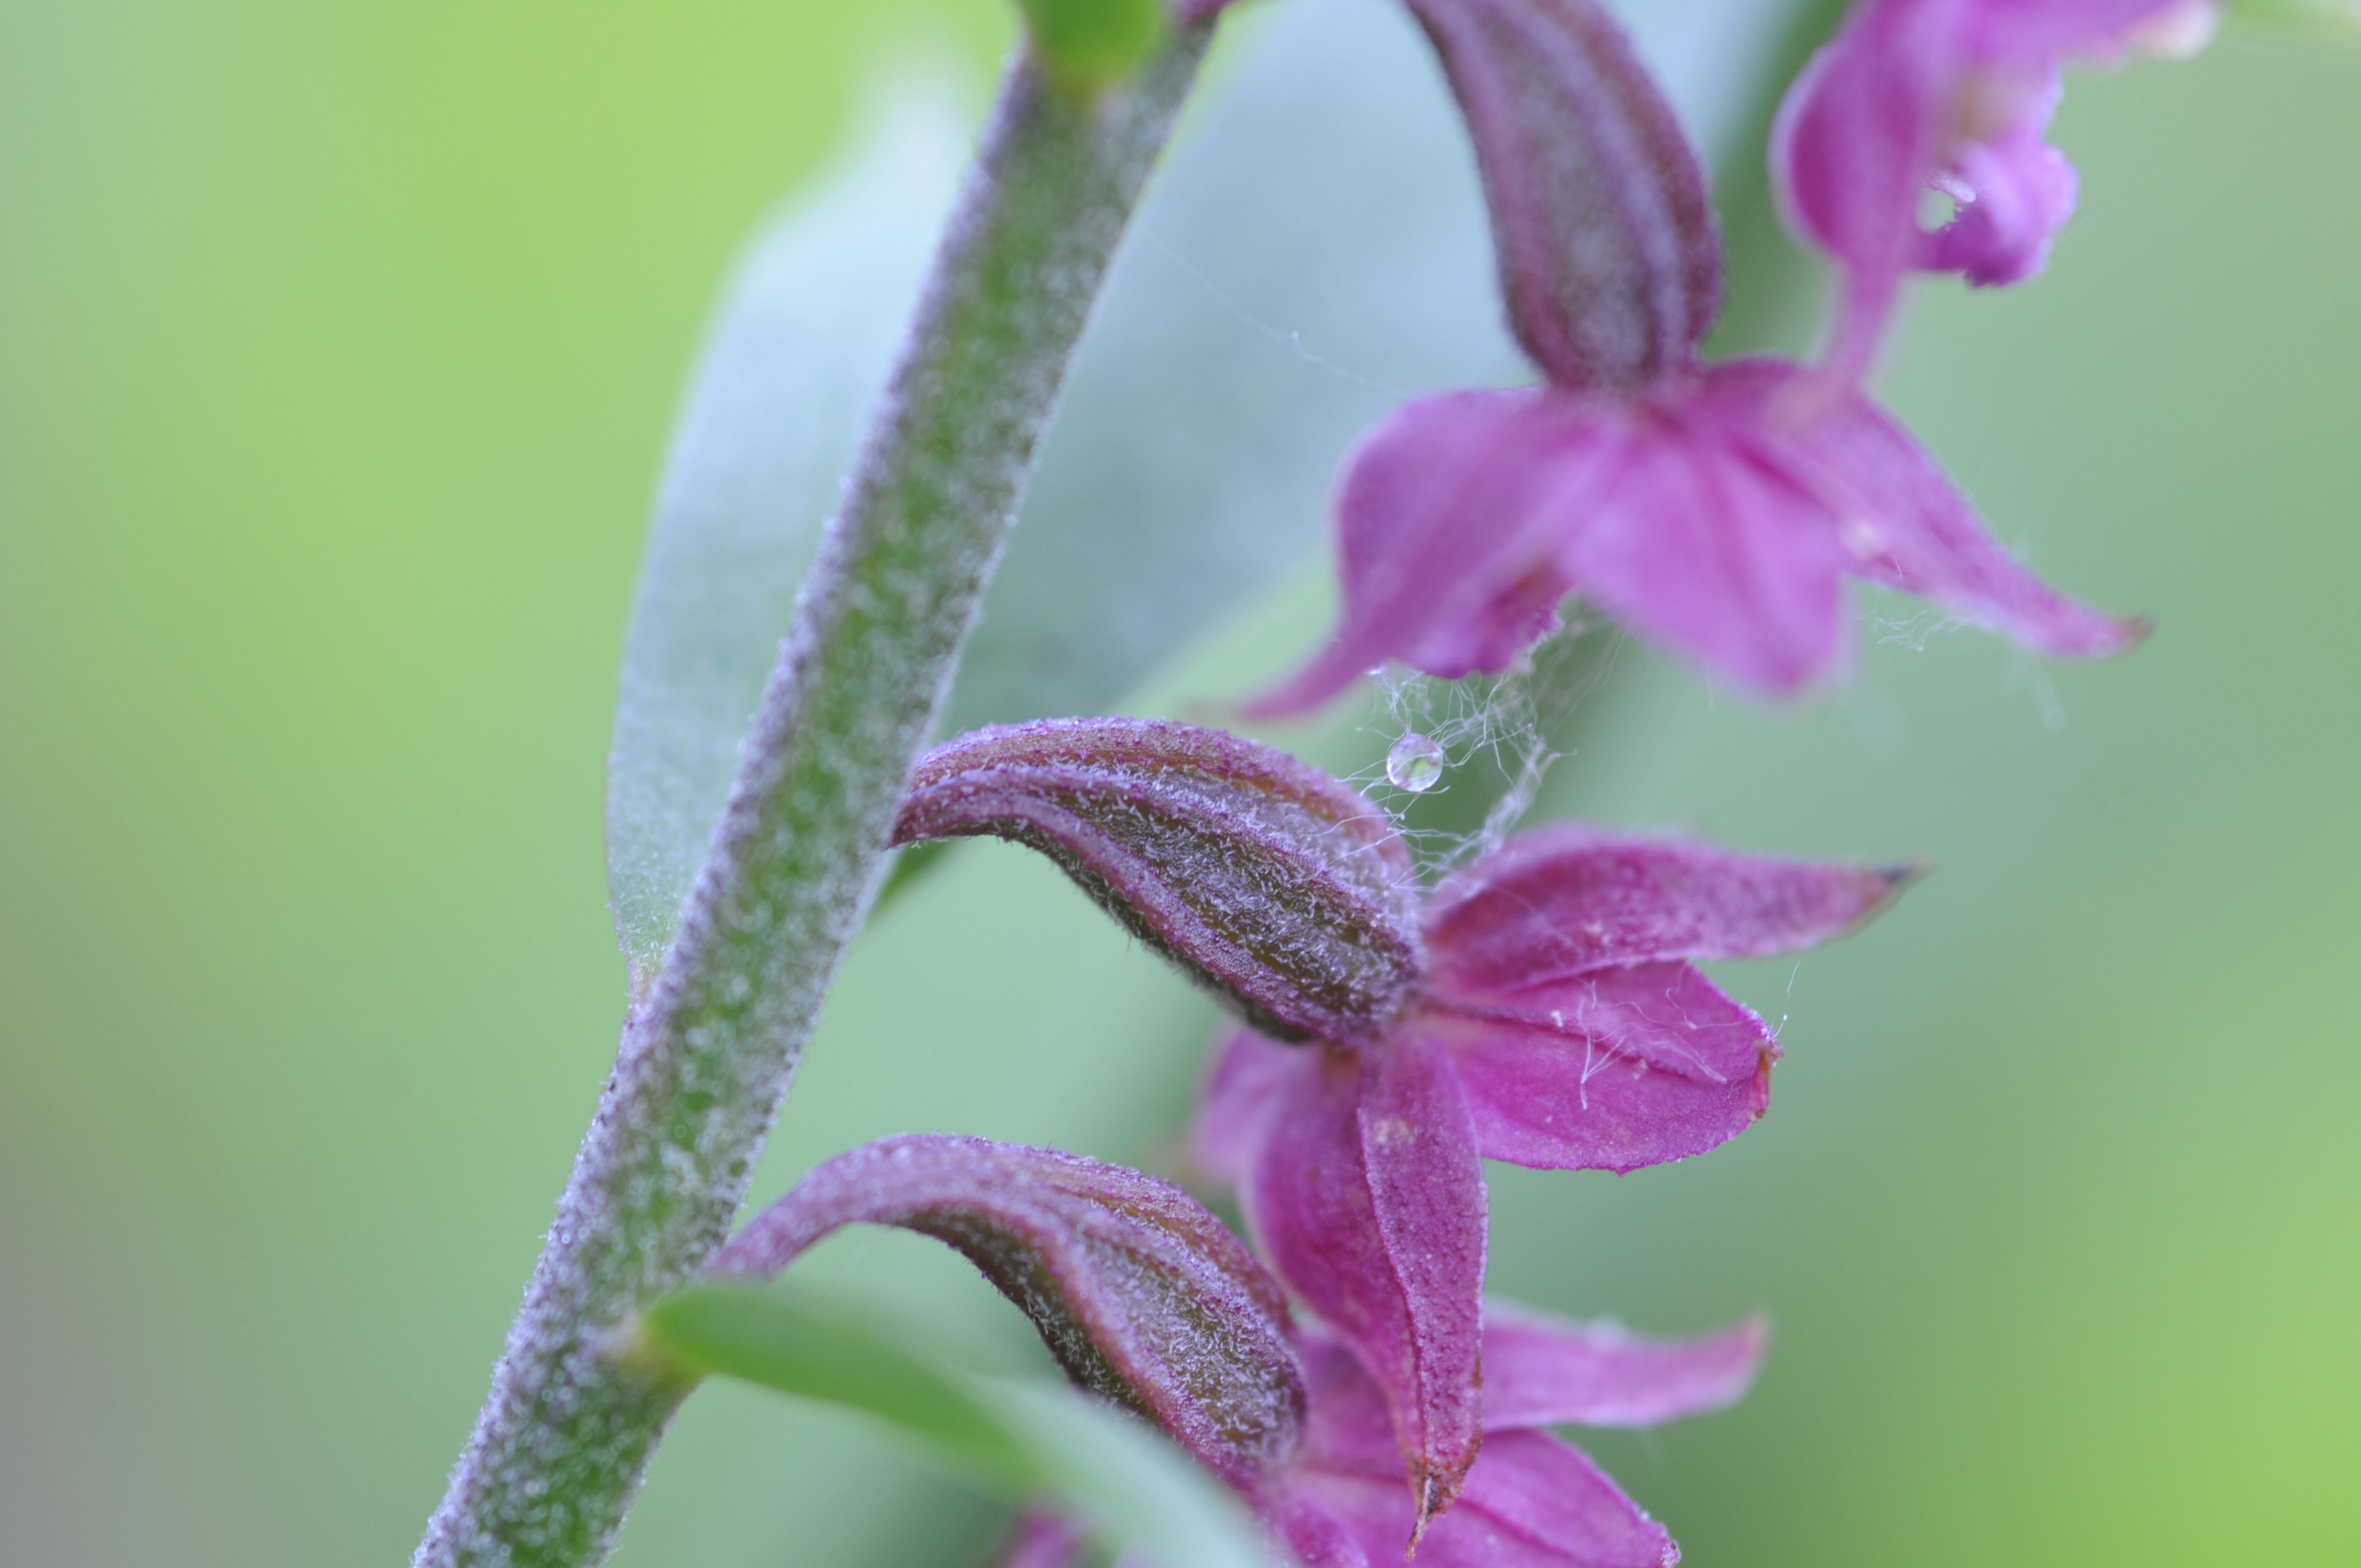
pixel 709 1052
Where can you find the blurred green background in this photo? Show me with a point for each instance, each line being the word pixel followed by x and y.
pixel 338 348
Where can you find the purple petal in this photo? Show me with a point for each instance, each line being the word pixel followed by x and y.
pixel 2032 31
pixel 1611 1070
pixel 1368 1198
pixel 1909 528
pixel 1449 524
pixel 1568 899
pixel 1142 1296
pixel 1530 1502
pixel 1317 1538
pixel 1711 545
pixel 1250 1083
pixel 1543 1370
pixel 1274 885
pixel 1610 258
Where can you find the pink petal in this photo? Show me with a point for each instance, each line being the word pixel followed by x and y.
pixel 1447 539
pixel 1368 1200
pixel 2023 31
pixel 1569 899
pixel 1708 545
pixel 1348 1422
pixel 1251 1079
pixel 1317 1538
pixel 1530 1502
pixel 1909 528
pixel 1543 1371
pixel 1611 1070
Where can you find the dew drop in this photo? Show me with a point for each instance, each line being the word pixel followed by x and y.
pixel 1416 764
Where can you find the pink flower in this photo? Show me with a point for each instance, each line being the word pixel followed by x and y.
pixel 1952 96
pixel 1532 1501
pixel 1559 1023
pixel 1717 509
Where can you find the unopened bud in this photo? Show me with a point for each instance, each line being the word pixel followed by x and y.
pixel 1143 1297
pixel 1273 885
pixel 1608 253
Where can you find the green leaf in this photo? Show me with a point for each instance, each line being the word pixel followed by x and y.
pixel 1092 44
pixel 756 1338
pixel 796 354
pixel 1134 1490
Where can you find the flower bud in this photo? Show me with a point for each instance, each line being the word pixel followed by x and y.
pixel 1143 1297
pixel 1271 884
pixel 1608 253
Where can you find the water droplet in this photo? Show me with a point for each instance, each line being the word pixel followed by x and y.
pixel 1416 764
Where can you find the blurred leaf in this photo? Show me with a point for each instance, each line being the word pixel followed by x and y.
pixel 1023 1440
pixel 2338 20
pixel 798 350
pixel 753 1337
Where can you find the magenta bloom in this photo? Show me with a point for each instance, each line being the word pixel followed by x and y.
pixel 1716 509
pixel 1558 1024
pixel 1530 1501
pixel 1952 96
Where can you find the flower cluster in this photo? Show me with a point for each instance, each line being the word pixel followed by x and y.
pixel 1544 1006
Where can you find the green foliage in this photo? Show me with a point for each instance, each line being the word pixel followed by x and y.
pixel 1020 1441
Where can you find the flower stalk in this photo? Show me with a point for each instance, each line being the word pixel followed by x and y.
pixel 708 1051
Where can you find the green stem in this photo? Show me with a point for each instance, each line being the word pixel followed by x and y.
pixel 706 1056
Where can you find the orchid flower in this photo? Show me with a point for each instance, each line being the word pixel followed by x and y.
pixel 1559 1025
pixel 1714 508
pixel 1531 1500
pixel 1540 1008
pixel 1952 96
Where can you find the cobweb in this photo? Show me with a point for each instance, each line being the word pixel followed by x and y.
pixel 1494 737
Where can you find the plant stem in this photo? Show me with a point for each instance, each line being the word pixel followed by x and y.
pixel 706 1056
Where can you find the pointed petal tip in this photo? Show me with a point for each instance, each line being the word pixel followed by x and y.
pixel 1433 1501
pixel 1899 877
